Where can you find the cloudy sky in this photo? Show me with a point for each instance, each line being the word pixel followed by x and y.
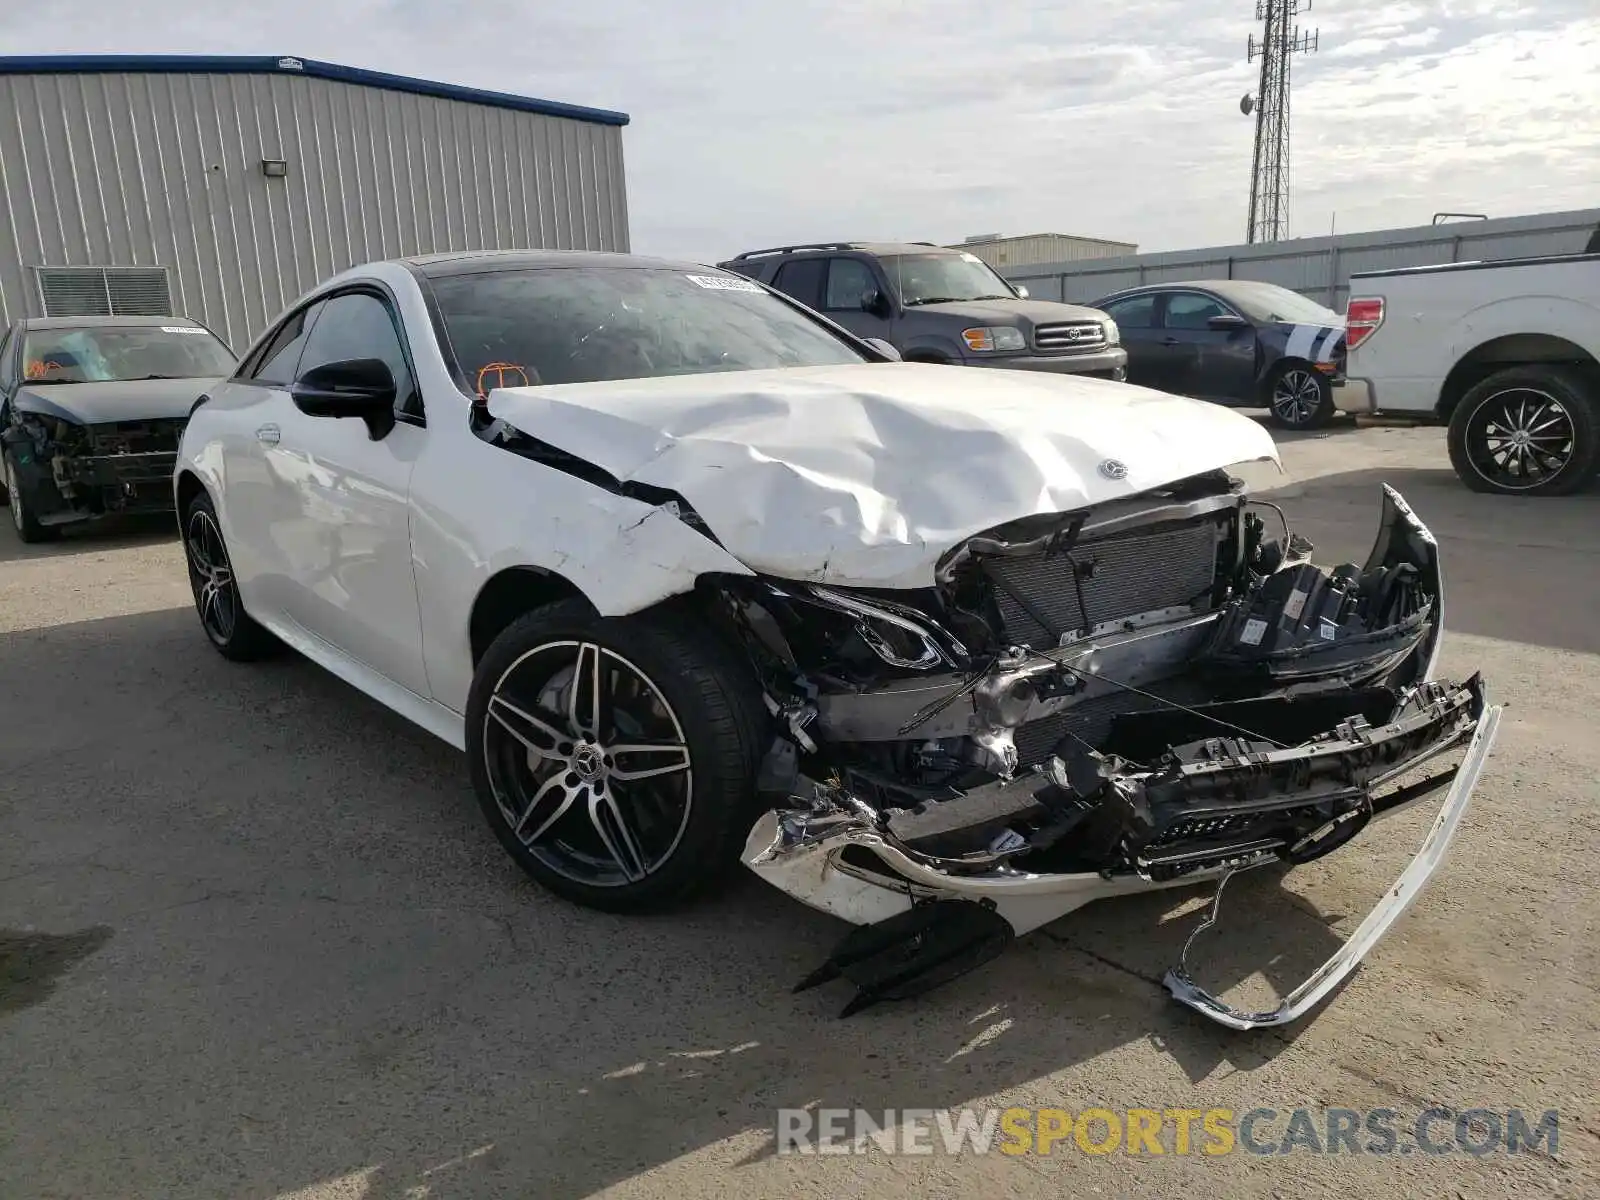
pixel 759 122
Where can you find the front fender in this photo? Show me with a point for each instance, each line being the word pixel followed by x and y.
pixel 622 554
pixel 932 343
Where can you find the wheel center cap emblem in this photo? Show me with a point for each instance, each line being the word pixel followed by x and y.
pixel 589 763
pixel 1112 469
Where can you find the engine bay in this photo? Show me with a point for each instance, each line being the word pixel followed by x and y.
pixel 1151 687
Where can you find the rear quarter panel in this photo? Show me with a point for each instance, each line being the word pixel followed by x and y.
pixel 1432 320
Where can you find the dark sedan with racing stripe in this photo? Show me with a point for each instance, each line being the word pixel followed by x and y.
pixel 1237 342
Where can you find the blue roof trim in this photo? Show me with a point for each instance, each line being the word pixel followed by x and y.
pixel 230 64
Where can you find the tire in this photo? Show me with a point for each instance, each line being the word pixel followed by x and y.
pixel 1552 408
pixel 1299 397
pixel 22 518
pixel 216 597
pixel 682 831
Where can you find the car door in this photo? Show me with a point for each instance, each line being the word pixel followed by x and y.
pixel 339 503
pixel 247 415
pixel 1204 360
pixel 850 286
pixel 1136 322
pixel 802 279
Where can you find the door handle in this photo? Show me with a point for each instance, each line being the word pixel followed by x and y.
pixel 1171 341
pixel 268 435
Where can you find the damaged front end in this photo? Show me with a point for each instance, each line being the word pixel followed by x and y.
pixel 70 472
pixel 1150 693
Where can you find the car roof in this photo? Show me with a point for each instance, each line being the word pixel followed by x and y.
pixel 474 262
pixel 881 249
pixel 103 322
pixel 1176 285
pixel 1229 289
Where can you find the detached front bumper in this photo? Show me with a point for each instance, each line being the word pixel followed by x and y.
pixel 1205 811
pixel 1110 363
pixel 1429 857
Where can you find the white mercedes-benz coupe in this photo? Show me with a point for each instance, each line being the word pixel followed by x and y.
pixel 693 575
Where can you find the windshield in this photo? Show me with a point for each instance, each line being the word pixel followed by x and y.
pixel 584 325
pixel 1269 302
pixel 109 354
pixel 938 278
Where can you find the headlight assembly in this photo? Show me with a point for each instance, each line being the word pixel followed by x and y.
pixel 992 338
pixel 898 635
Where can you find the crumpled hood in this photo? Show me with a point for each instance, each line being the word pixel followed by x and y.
pixel 866 474
pixel 125 400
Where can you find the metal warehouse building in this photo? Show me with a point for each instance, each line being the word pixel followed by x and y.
pixel 1003 253
pixel 222 188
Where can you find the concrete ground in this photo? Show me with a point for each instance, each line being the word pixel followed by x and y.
pixel 257 941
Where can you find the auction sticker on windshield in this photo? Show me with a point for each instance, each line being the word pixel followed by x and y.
pixel 723 283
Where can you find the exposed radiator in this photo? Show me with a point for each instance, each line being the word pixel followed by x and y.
pixel 157 436
pixel 1165 567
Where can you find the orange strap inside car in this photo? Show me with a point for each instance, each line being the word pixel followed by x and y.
pixel 501 370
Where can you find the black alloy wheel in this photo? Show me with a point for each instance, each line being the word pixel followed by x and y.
pixel 615 758
pixel 1527 431
pixel 216 593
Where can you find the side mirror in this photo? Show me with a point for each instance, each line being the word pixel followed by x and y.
pixel 1227 321
pixel 354 387
pixel 1022 292
pixel 884 348
pixel 875 302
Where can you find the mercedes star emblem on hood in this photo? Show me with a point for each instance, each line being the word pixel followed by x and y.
pixel 1112 469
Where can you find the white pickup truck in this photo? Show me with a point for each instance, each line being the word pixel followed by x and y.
pixel 1507 353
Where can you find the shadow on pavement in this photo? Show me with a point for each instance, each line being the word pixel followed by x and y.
pixel 110 533
pixel 1495 549
pixel 31 962
pixel 325 967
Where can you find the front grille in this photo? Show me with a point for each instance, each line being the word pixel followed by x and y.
pixel 1106 580
pixel 1087 723
pixel 137 437
pixel 1072 337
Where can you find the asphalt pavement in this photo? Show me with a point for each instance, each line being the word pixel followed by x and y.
pixel 256 940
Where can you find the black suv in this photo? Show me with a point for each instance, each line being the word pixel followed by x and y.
pixel 936 304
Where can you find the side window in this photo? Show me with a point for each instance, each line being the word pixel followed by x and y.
pixel 1190 310
pixel 802 279
pixel 276 363
pixel 848 279
pixel 1137 312
pixel 359 325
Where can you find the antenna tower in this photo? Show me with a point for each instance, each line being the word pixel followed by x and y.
pixel 1281 40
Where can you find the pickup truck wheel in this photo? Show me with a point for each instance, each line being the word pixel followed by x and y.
pixel 1527 431
pixel 1299 397
pixel 615 758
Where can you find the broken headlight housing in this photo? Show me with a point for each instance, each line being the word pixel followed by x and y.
pixel 898 635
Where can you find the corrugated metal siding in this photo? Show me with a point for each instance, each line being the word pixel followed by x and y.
pixel 1317 267
pixel 1031 249
pixel 164 170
